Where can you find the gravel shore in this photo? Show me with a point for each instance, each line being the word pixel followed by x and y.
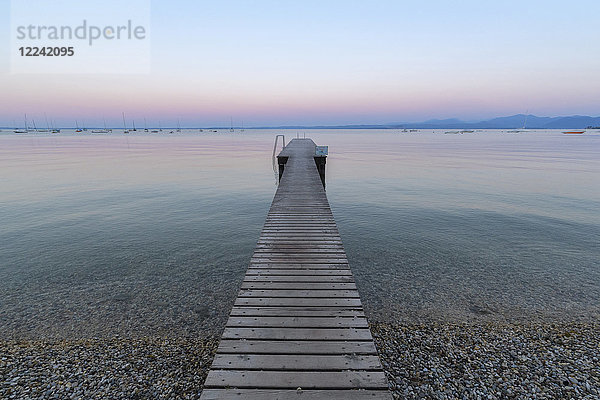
pixel 458 361
pixel 117 368
pixel 422 361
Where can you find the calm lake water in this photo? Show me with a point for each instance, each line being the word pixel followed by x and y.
pixel 151 234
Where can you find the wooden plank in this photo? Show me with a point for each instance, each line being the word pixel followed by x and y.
pixel 299 293
pixel 295 347
pixel 267 278
pixel 296 312
pixel 304 232
pixel 307 263
pixel 297 333
pixel 294 380
pixel 298 285
pixel 287 251
pixel 274 362
pixel 282 394
pixel 257 272
pixel 285 301
pixel 300 267
pixel 284 246
pixel 315 242
pixel 297 322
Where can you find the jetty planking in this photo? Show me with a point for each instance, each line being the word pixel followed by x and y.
pixel 297 328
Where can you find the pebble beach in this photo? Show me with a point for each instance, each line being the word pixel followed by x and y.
pixel 421 361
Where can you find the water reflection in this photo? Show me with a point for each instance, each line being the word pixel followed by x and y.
pixel 152 233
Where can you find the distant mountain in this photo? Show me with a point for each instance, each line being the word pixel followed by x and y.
pixel 510 122
pixel 576 121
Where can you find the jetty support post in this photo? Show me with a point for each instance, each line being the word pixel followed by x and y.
pixel 321 159
pixel 281 160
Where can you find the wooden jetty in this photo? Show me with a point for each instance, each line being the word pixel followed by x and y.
pixel 297 329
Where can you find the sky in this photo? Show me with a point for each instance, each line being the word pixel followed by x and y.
pixel 269 63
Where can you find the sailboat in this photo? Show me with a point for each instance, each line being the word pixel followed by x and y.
pixel 101 130
pixel 125 130
pixel 77 129
pixel 47 126
pixel 145 125
pixel 54 129
pixel 523 128
pixel 34 127
pixel 231 129
pixel 22 131
pixel 178 126
pixel 133 130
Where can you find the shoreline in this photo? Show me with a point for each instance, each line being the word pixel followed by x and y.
pixel 434 360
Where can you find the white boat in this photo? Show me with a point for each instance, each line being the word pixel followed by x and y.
pixel 125 130
pixel 34 127
pixel 53 128
pixel 145 125
pixel 22 131
pixel 47 126
pixel 521 130
pixel 102 130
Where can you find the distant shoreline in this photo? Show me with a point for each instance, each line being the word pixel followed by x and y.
pixel 517 121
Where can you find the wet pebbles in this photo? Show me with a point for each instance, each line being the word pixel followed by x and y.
pixel 460 361
pixel 422 361
pixel 117 368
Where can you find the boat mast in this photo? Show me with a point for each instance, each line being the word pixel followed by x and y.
pixel 526 115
